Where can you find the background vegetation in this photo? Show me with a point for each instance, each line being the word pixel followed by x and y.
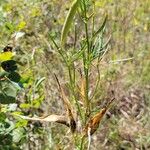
pixel 31 89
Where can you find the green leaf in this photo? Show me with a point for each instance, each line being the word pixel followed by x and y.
pixel 10 27
pixel 68 21
pixel 21 123
pixel 16 85
pixel 3 74
pixel 4 99
pixel 18 134
pixel 10 91
pixel 77 55
pixel 101 27
pixel 39 82
pixel 25 105
pixel 6 56
pixel 83 5
pixel 14 76
pixel 2 117
pixel 21 25
pixel 9 65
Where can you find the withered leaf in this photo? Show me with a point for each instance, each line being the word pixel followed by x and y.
pixel 68 106
pixel 50 118
pixel 94 121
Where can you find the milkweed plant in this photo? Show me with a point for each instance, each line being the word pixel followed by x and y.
pixel 79 58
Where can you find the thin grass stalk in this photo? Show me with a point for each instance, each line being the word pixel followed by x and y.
pixel 93 19
pixel 72 86
pixel 75 37
pixel 82 143
pixel 97 82
pixel 86 63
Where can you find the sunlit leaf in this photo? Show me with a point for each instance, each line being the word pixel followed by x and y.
pixel 25 105
pixel 18 134
pixel 21 123
pixel 6 56
pixel 10 91
pixel 17 86
pixel 21 25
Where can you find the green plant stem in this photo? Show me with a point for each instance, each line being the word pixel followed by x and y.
pixel 72 85
pixel 97 82
pixel 86 91
pixel 86 59
pixel 93 19
pixel 82 143
pixel 75 36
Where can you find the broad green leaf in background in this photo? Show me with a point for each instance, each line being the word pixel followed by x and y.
pixel 19 133
pixel 4 99
pixel 14 76
pixel 10 91
pixel 9 65
pixel 17 86
pixel 68 21
pixel 3 74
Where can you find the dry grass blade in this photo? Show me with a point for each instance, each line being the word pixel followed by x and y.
pixel 89 138
pixel 93 123
pixel 68 106
pixel 50 118
pixel 64 97
pixel 72 122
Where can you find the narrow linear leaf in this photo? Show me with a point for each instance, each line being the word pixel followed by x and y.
pixel 68 21
pixel 39 82
pixel 101 27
